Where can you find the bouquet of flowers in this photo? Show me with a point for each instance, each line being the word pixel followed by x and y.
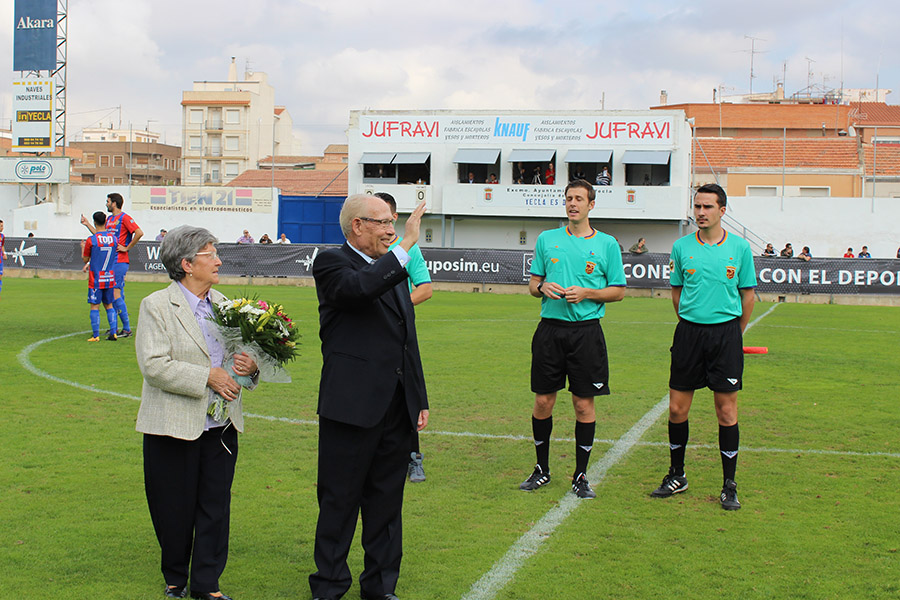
pixel 260 329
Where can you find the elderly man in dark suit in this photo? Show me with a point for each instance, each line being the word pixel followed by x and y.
pixel 371 397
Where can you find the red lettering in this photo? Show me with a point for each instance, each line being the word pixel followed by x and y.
pixel 619 126
pixel 633 130
pixel 418 130
pixel 404 128
pixel 371 130
pixel 433 130
pixel 647 131
pixel 390 127
pixel 661 131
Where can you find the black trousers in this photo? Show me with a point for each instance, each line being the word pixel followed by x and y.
pixel 361 470
pixel 188 485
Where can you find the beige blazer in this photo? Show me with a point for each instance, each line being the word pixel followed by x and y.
pixel 174 360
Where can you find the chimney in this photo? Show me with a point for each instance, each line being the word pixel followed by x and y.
pixel 663 97
pixel 232 71
pixel 779 92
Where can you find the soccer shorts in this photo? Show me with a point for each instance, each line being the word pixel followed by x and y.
pixel 104 296
pixel 576 350
pixel 707 356
pixel 121 269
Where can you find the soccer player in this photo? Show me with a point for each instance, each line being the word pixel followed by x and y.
pixel 420 290
pixel 128 234
pixel 100 254
pixel 576 270
pixel 713 281
pixel 2 254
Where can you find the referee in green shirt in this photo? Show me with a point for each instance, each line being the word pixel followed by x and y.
pixel 576 270
pixel 713 281
pixel 420 290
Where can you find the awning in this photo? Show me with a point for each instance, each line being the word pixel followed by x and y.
pixel 588 156
pixel 523 155
pixel 411 158
pixel 476 156
pixel 376 158
pixel 646 157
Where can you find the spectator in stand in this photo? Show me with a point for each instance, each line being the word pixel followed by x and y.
pixel 519 173
pixel 550 174
pixel 603 177
pixel 265 239
pixel 849 253
pixel 864 253
pixel 471 178
pixel 579 173
pixel 787 251
pixel 246 238
pixel 805 254
pixel 493 179
pixel 536 178
pixel 639 248
pixel 161 235
pixel 283 240
pixel 769 251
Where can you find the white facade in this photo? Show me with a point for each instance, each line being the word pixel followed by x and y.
pixel 104 134
pixel 228 126
pixel 430 154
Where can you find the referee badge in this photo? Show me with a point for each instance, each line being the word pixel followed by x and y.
pixel 589 267
pixel 729 272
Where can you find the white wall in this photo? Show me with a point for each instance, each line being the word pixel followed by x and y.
pixel 827 225
pixel 86 200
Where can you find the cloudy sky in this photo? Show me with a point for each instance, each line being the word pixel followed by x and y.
pixel 327 57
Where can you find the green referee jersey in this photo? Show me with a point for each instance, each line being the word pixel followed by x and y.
pixel 593 262
pixel 710 276
pixel 418 271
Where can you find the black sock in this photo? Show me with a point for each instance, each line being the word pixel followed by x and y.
pixel 678 438
pixel 729 440
pixel 541 428
pixel 584 441
pixel 414 442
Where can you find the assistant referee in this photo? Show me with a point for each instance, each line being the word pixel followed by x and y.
pixel 713 281
pixel 576 270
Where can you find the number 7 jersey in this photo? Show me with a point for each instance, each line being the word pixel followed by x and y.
pixel 101 248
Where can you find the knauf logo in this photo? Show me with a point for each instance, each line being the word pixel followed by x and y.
pixel 518 130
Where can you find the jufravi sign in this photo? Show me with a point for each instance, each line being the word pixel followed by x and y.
pixel 583 130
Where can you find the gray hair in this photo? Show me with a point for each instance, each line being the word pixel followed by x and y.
pixel 183 242
pixel 354 207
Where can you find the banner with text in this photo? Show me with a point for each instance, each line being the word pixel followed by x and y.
pixel 34 35
pixel 203 199
pixel 32 125
pixel 776 275
pixel 569 130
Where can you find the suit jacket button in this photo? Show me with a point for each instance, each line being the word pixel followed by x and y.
pixel 401 322
pixel 399 371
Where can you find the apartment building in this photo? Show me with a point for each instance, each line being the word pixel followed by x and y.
pixel 228 126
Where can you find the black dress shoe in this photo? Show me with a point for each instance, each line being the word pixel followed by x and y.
pixel 209 596
pixel 366 596
pixel 173 591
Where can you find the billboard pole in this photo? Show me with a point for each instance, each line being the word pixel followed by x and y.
pixel 62 26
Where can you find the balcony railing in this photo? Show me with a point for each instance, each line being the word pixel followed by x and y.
pixel 214 124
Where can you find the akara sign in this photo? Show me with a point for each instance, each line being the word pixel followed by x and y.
pixel 34 37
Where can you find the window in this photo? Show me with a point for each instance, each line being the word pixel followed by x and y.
pixel 817 192
pixel 89 158
pixel 118 160
pixel 194 142
pixel 413 167
pixel 195 117
pixel 194 169
pixel 231 169
pixel 232 143
pixel 232 116
pixel 591 165
pixel 104 162
pixel 646 167
pixel 762 190
pixel 533 166
pixel 476 165
pixel 104 179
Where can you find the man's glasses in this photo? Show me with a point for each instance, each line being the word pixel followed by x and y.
pixel 383 222
pixel 212 254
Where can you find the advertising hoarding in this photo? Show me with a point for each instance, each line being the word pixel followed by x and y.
pixel 32 124
pixel 34 170
pixel 34 35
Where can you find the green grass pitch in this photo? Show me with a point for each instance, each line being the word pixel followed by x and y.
pixel 818 472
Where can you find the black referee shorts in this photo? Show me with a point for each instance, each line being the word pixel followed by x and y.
pixel 707 356
pixel 576 350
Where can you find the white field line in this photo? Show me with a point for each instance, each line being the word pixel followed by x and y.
pixel 505 569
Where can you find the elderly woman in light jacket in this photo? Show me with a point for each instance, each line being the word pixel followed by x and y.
pixel 189 457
